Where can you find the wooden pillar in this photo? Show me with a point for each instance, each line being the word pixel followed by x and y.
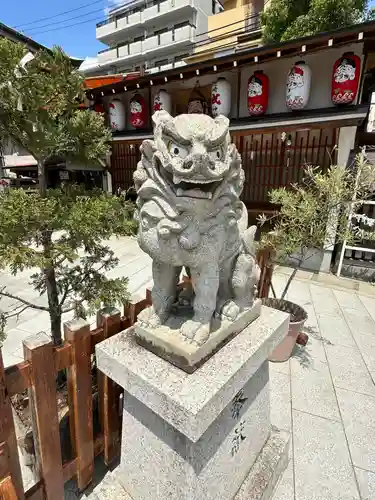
pixel 9 450
pixel 78 334
pixel 39 351
pixel 110 320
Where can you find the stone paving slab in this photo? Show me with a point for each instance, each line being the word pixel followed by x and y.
pixel 323 469
pixel 366 482
pixel 358 413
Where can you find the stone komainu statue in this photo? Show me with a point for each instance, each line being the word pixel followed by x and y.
pixel 188 182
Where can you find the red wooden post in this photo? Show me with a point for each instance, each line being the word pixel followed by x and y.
pixel 78 334
pixel 39 351
pixel 8 436
pixel 7 490
pixel 110 320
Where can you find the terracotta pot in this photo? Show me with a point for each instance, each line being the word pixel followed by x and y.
pixel 298 316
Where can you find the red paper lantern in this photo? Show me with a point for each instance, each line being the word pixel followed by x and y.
pixel 258 93
pixel 99 108
pixel 138 111
pixel 345 78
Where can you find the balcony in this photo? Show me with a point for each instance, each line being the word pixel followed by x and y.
pixel 116 30
pixel 107 55
pixel 123 53
pixel 178 38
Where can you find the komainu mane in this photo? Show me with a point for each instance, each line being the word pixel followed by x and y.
pixel 189 181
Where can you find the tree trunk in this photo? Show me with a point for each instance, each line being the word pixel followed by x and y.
pixel 49 271
pixel 42 178
pixel 52 293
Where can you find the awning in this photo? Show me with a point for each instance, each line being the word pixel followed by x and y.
pixel 13 161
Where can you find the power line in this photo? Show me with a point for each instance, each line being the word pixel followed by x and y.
pixel 68 26
pixel 58 15
pixel 64 20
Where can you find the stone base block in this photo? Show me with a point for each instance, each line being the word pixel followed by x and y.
pixel 265 473
pixel 201 435
pixel 159 462
pixel 167 342
pixel 268 468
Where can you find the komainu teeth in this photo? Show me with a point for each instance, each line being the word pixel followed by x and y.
pixel 180 192
pixel 209 195
pixel 176 179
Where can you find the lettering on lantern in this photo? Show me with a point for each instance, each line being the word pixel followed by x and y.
pixel 238 438
pixel 237 404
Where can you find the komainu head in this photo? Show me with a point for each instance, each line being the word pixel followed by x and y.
pixel 193 153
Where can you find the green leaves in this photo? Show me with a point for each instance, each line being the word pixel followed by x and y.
pixel 288 19
pixel 39 107
pixel 313 216
pixel 78 223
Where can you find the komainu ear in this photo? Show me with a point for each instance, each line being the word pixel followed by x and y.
pixel 222 121
pixel 160 117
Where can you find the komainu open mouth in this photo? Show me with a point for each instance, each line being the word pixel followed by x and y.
pixel 196 189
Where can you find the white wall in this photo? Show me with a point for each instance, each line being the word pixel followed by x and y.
pixel 321 64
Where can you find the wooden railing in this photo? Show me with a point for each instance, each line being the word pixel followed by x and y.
pixel 38 374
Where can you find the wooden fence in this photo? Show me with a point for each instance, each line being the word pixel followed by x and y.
pixel 37 374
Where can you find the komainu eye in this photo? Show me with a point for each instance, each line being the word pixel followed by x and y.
pixel 217 154
pixel 177 150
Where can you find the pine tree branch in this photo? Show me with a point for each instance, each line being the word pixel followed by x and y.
pixel 23 301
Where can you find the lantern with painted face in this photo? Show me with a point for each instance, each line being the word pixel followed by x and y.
pixel 345 79
pixel 298 86
pixel 258 93
pixel 138 111
pixel 117 115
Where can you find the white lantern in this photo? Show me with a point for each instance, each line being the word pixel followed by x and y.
pixel 117 115
pixel 163 101
pixel 221 97
pixel 298 86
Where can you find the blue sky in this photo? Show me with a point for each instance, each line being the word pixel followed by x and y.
pixel 78 40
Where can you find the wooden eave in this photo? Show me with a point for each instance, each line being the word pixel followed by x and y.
pixel 359 33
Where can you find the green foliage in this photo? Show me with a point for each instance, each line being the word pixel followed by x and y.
pixel 77 223
pixel 313 216
pixel 288 19
pixel 39 107
pixel 60 233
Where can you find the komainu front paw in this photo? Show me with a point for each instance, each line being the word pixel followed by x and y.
pixel 196 332
pixel 230 311
pixel 151 319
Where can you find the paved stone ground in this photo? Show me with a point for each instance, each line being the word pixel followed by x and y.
pixel 325 395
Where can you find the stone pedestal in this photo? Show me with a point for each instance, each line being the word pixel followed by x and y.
pixel 205 435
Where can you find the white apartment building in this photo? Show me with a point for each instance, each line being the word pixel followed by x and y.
pixel 150 35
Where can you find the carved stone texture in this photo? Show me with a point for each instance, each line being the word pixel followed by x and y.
pixel 189 181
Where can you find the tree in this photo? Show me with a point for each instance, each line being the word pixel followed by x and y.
pixel 315 214
pixel 288 19
pixel 49 229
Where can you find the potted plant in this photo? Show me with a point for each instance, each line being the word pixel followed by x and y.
pixel 312 218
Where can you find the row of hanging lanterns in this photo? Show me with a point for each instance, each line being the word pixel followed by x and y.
pixel 345 84
pixel 117 114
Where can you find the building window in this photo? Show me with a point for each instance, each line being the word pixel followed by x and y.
pixel 181 25
pixel 181 57
pixel 162 62
pixel 160 32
